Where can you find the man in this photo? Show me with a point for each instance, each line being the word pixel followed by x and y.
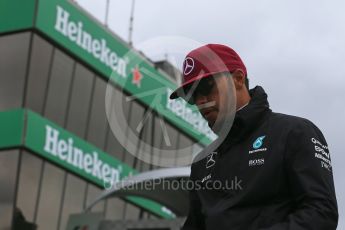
pixel 282 161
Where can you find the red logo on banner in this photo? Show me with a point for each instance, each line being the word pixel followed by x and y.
pixel 137 76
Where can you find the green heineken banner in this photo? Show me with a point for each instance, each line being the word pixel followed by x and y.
pixel 71 28
pixel 24 128
pixel 11 128
pixel 16 15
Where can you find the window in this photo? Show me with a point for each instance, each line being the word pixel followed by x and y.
pixel 168 145
pixel 59 87
pixel 13 62
pixel 114 147
pixel 28 185
pixel 184 153
pixel 132 212
pixel 135 117
pixel 80 100
pixel 74 198
pixel 98 121
pixel 115 208
pixel 8 174
pixel 92 193
pixel 50 197
pixel 40 65
pixel 144 160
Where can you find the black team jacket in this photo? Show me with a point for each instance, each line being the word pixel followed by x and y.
pixel 272 172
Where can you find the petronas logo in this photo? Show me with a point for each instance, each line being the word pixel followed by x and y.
pixel 258 142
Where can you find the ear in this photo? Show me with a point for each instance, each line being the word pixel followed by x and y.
pixel 239 79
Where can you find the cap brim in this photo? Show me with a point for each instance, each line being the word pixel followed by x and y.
pixel 179 91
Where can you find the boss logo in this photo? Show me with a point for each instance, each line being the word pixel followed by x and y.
pixel 256 162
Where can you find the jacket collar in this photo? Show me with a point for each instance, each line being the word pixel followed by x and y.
pixel 250 116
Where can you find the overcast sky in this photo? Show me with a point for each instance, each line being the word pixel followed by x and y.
pixel 294 49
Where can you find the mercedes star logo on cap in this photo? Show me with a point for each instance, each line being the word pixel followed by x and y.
pixel 188 65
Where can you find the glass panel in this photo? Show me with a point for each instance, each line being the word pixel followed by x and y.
pixel 144 165
pixel 132 212
pixel 153 217
pixel 115 209
pixel 169 145
pixel 80 100
pixel 98 121
pixel 74 198
pixel 50 198
pixel 184 154
pixel 157 141
pixel 30 170
pixel 135 118
pixel 92 193
pixel 125 104
pixel 13 63
pixel 8 174
pixel 113 146
pixel 145 215
pixel 40 65
pixel 58 89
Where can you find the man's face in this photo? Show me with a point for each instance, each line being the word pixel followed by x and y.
pixel 211 96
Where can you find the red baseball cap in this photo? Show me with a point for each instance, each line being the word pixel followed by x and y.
pixel 206 61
